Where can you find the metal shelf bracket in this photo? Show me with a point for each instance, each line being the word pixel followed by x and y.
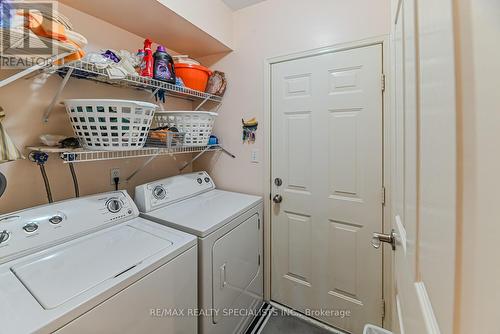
pixel 58 94
pixel 147 162
pixel 30 70
pixel 196 157
pixel 202 103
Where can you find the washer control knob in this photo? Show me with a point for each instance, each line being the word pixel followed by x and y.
pixel 55 220
pixel 199 180
pixel 207 179
pixel 30 227
pixel 159 192
pixel 4 236
pixel 114 205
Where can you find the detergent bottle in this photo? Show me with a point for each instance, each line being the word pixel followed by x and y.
pixel 163 66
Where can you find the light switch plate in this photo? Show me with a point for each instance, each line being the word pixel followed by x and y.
pixel 254 156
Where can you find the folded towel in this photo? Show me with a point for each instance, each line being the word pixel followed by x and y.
pixel 8 151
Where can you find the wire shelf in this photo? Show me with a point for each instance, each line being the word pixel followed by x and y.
pixel 82 155
pixel 21 42
pixel 89 71
pixel 13 52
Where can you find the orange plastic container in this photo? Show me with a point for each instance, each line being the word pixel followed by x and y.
pixel 194 76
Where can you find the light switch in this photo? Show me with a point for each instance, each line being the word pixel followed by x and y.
pixel 254 156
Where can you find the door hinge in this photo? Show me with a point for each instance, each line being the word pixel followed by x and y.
pixel 383 195
pixel 382 308
pixel 383 82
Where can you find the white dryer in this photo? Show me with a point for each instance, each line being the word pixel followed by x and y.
pixel 91 265
pixel 229 230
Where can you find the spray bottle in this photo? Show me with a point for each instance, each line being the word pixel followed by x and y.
pixel 147 68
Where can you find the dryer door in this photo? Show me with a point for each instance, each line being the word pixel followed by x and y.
pixel 236 263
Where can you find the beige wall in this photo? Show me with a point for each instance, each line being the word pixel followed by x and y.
pixel 477 29
pixel 211 16
pixel 25 101
pixel 268 29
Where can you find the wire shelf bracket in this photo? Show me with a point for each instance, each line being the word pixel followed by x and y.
pixel 14 38
pixel 30 70
pixel 196 157
pixel 47 113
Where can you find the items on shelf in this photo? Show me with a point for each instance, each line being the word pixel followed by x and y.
pixel 8 151
pixel 148 61
pixel 193 76
pixel 184 59
pixel 168 137
pixel 139 56
pixel 43 21
pixel 213 140
pixel 249 129
pixel 163 66
pixel 71 142
pixel 117 64
pixel 90 71
pixel 52 140
pixel 216 84
pixel 197 125
pixel 110 125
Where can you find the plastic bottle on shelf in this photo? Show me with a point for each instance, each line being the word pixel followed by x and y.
pixel 147 71
pixel 139 61
pixel 163 66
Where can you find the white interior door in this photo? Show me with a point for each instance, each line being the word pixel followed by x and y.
pixel 327 149
pixel 424 166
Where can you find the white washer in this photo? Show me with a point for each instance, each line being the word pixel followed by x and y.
pixel 91 265
pixel 229 230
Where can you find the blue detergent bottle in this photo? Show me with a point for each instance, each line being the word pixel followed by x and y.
pixel 163 68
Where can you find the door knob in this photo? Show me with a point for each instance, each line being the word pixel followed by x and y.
pixel 379 238
pixel 277 199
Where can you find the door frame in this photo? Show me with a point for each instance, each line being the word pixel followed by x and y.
pixel 387 256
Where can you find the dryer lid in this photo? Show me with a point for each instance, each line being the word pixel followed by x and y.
pixel 59 275
pixel 205 213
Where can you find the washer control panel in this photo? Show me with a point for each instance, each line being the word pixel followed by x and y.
pixel 30 227
pixel 151 196
pixel 159 192
pixel 55 220
pixel 44 225
pixel 114 205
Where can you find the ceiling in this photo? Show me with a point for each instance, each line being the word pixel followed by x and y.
pixel 238 4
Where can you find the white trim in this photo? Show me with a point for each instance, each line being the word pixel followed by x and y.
pixel 400 315
pixel 266 160
pixel 384 40
pixel 426 307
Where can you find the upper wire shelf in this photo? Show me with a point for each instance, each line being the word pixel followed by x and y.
pixel 89 71
pixel 12 44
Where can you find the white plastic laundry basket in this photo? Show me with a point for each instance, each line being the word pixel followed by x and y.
pixel 110 125
pixel 371 329
pixel 197 125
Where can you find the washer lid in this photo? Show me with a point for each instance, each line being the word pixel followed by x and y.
pixel 58 276
pixel 204 213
